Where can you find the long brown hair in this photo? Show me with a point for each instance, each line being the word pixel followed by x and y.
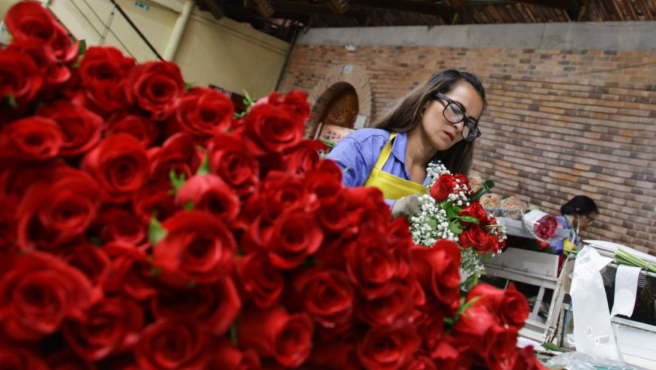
pixel 406 113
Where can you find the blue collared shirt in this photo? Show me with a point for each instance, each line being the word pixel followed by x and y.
pixel 358 152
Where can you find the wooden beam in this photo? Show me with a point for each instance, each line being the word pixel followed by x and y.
pixel 401 5
pixel 557 4
pixel 265 7
pixel 340 6
pixel 213 7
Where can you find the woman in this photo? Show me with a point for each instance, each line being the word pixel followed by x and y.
pixel 577 215
pixel 436 121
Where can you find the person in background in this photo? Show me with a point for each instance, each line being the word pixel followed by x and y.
pixel 438 120
pixel 576 215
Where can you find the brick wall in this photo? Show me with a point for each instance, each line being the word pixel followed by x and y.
pixel 559 122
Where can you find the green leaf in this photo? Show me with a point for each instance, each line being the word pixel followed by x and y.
pixel 432 223
pixel 470 219
pixel 204 168
pixel 455 227
pixel 248 101
pixel 83 48
pixel 154 271
pixel 329 143
pixel 189 86
pixel 469 283
pixel 457 210
pixel 12 101
pixel 487 186
pixel 155 231
pixel 177 181
pixel 551 347
pixel 233 333
pixel 95 241
pixel 463 308
pixel 486 256
pixel 189 206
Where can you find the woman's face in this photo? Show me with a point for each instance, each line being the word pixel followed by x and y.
pixel 585 221
pixel 441 133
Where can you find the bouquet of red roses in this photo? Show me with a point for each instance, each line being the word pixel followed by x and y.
pixel 452 211
pixel 143 227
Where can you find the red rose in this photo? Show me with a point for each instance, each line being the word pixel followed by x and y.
pixel 171 345
pixel 476 211
pixel 210 194
pixel 276 334
pixel 510 304
pixel 303 157
pixel 30 20
pixel 122 227
pixel 474 237
pixel 56 212
pixel 444 186
pixel 130 273
pixel 394 306
pixel 545 227
pixel 204 112
pixel 30 139
pixel 327 295
pixel 38 293
pixel 421 363
pixel 437 269
pixel 502 348
pixel 68 360
pixel 295 102
pixel 294 236
pixel 449 356
pixel 212 307
pixel 271 129
pixel 326 184
pixel 155 88
pixel 227 357
pixel 461 179
pixel 81 128
pixel 277 193
pixel 120 165
pixel 111 325
pixel 154 199
pixel 54 75
pixel 21 78
pixel 179 154
pixel 92 261
pixel 142 128
pixel 197 247
pixel 472 327
pixel 387 348
pixel 8 223
pixel 514 308
pixel 371 264
pixel 526 360
pixel 260 281
pixel 104 64
pixel 230 160
pixel 102 72
pixel 20 359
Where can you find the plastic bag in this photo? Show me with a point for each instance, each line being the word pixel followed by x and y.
pixel 593 333
pixel 581 361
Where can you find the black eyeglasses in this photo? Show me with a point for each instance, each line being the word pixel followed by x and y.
pixel 590 220
pixel 454 112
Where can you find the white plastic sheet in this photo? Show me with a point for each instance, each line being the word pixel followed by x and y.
pixel 593 333
pixel 626 288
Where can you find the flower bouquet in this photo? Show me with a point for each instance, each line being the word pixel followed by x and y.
pixel 145 227
pixel 452 211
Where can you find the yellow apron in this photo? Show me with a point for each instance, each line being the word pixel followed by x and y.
pixel 392 187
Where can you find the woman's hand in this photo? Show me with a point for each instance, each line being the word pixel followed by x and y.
pixel 407 206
